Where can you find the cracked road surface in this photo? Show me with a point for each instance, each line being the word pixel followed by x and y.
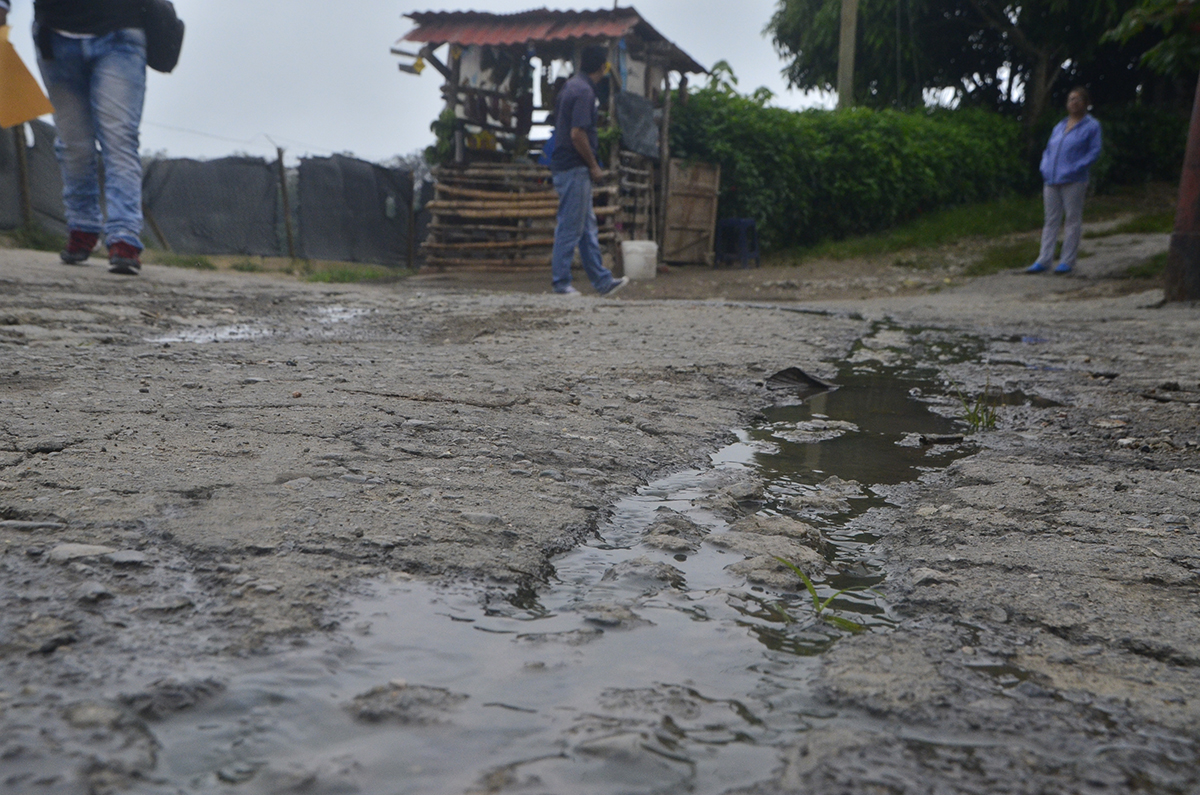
pixel 201 466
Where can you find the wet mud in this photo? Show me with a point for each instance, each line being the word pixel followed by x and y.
pixel 269 537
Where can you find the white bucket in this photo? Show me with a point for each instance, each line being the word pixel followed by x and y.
pixel 640 258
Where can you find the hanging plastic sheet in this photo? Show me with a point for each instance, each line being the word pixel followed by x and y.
pixel 21 98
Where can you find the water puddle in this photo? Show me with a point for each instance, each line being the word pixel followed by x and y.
pixel 645 666
pixel 325 317
pixel 238 332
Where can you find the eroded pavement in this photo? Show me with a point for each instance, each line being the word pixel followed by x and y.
pixel 205 467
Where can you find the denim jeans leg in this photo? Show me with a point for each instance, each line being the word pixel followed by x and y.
pixel 98 86
pixel 577 228
pixel 68 85
pixel 569 227
pixel 589 249
pixel 1053 201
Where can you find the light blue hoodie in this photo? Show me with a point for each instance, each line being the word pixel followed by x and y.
pixel 1070 153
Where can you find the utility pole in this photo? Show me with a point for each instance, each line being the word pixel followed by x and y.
pixel 849 34
pixel 1182 276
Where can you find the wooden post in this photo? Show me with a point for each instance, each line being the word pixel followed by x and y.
pixel 452 100
pixel 1182 276
pixel 152 222
pixel 287 205
pixel 664 157
pixel 846 46
pixel 18 136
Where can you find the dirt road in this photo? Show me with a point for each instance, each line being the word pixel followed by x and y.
pixel 199 466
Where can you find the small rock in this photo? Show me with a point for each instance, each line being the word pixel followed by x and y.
pixel 925 576
pixel 67 552
pixel 611 616
pixel 645 574
pixel 755 544
pixel 171 604
pixel 552 474
pixel 127 557
pixel 168 696
pixel 404 704
pixel 90 715
pixel 483 519
pixel 92 592
pixel 29 527
pixel 782 526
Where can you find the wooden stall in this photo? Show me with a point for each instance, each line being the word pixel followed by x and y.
pixel 494 204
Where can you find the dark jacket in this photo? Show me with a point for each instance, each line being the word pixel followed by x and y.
pixel 96 17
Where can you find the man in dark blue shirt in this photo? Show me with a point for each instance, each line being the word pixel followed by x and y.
pixel 92 54
pixel 574 167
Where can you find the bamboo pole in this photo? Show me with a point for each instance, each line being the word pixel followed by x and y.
pixel 469 193
pixel 451 207
pixel 490 245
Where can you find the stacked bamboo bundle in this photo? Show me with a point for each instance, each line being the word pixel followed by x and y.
pixel 498 217
pixel 636 220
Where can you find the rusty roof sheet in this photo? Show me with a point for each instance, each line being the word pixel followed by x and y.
pixel 540 25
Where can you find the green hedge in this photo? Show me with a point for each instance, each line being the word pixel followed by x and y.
pixel 1140 145
pixel 813 175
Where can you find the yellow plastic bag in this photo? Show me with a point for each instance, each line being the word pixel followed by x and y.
pixel 21 98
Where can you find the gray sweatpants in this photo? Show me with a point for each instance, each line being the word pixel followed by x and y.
pixel 1062 201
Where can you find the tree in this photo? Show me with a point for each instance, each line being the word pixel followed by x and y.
pixel 1178 51
pixel 1013 57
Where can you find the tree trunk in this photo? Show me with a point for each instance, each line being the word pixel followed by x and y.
pixel 849 34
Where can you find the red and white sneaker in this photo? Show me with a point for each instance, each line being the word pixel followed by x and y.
pixel 124 259
pixel 79 247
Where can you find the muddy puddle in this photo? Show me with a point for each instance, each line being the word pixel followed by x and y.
pixel 645 665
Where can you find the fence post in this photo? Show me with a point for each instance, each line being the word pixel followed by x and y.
pixel 287 205
pixel 18 133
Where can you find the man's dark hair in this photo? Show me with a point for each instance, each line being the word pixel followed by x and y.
pixel 592 59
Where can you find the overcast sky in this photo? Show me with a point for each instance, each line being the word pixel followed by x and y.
pixel 317 77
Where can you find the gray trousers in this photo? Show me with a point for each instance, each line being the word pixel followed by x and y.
pixel 1062 202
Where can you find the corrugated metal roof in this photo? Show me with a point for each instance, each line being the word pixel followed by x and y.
pixel 540 25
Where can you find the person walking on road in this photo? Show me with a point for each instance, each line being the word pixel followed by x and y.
pixel 1074 145
pixel 574 168
pixel 92 55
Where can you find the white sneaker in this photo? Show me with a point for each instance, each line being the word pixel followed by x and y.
pixel 617 286
pixel 568 290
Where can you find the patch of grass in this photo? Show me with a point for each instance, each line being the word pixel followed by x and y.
pixel 1145 224
pixel 820 605
pixel 193 261
pixel 33 236
pixel 1004 257
pixel 1150 269
pixel 345 272
pixel 990 219
pixel 246 266
pixel 982 413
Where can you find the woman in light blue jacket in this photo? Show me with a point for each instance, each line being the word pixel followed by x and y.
pixel 1074 146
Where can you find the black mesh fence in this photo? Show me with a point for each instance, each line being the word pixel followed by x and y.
pixel 226 206
pixel 45 181
pixel 341 208
pixel 354 211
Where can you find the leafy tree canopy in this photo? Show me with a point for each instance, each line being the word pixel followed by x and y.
pixel 1178 53
pixel 1019 58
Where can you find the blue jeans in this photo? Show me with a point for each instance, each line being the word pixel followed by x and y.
pixel 97 86
pixel 576 228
